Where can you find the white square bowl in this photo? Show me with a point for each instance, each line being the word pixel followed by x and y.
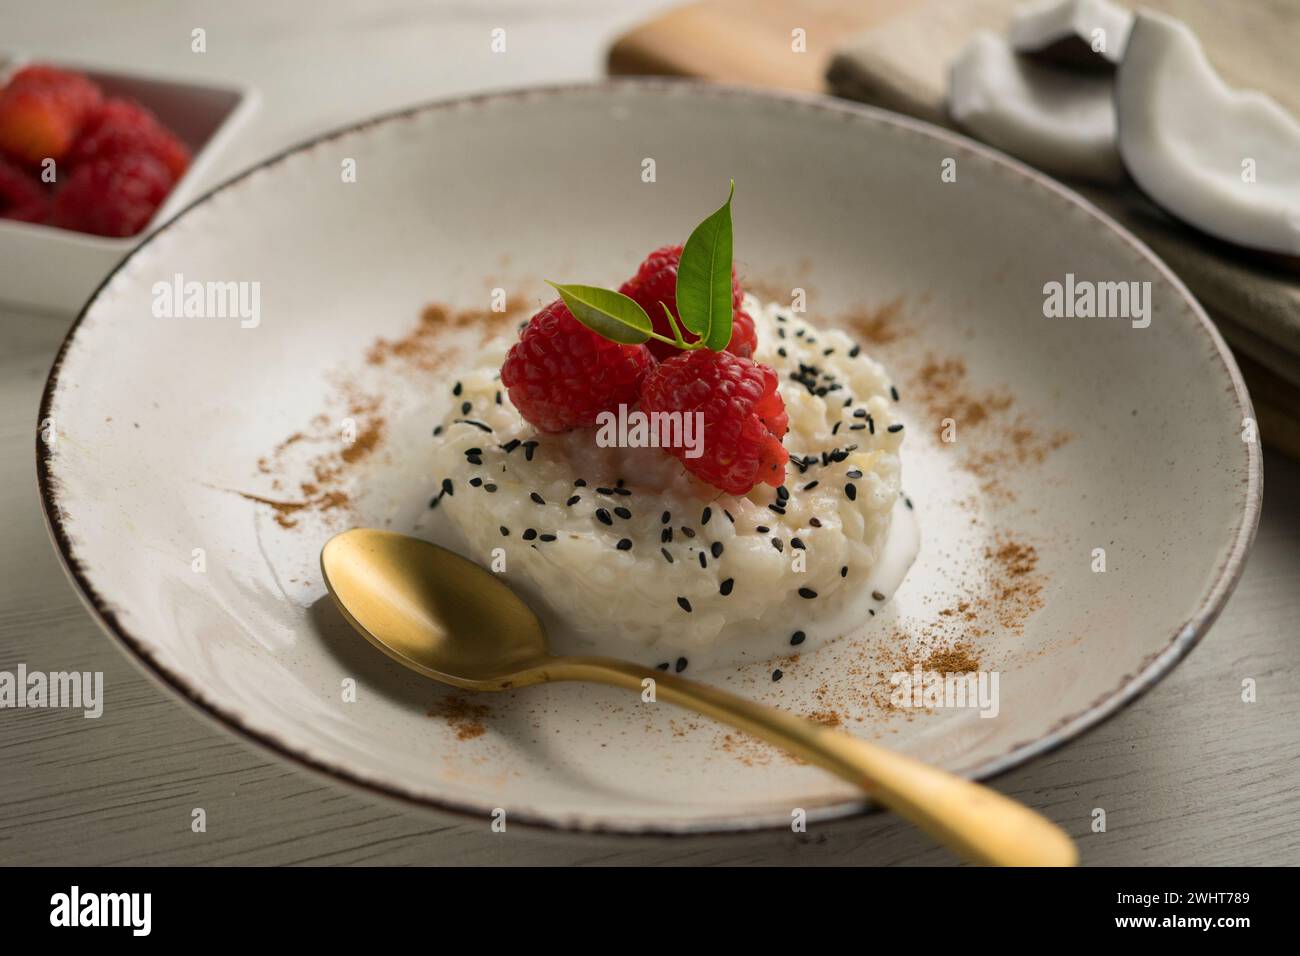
pixel 56 270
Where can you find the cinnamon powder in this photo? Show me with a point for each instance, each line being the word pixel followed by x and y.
pixel 465 716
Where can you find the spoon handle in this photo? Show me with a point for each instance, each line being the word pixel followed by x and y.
pixel 978 823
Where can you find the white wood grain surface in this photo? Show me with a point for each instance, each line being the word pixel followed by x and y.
pixel 1188 775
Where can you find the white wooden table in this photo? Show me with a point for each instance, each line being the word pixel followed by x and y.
pixel 1188 775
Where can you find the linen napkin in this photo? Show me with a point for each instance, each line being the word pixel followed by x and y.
pixel 903 65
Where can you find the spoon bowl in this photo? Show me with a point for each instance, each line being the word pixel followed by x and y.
pixel 432 610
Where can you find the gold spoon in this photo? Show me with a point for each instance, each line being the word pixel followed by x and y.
pixel 451 620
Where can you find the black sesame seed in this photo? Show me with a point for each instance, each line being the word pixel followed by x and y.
pixel 835 429
pixel 481 426
pixel 855 351
pixel 433 502
pixel 776 543
pixel 704 561
pixel 857 428
pixel 625 492
pixel 684 604
pixel 437 430
pixel 603 516
pixel 489 487
pixel 620 482
pixel 447 488
pixel 580 483
pixel 529 448
pixel 666 536
pixel 498 398
pixel 783 493
pixel 665 518
pixel 811 485
pixel 716 549
pixel 688 531
pixel 681 661
pixel 573 501
pixel 546 537
pixel 777 675
pixel 473 451
pixel 855 473
pixel 457 389
pixel 624 544
pixel 667 557
pixel 797 543
pixel 762 529
pixel 877 596
pixel 529 534
pixel 475 482
pixel 505 532
pixel 859 413
pixel 908 502
pixel 893 393
pixel 605 491
pixel 664 666
pixel 725 588
pixel 705 515
pixel 776 508
pixel 511 445
pixel 730 516
pixel 844 571
pixel 623 513
pixel 537 498
pixel 851 491
pixel 797 638
pixel 781 352
pixel 807 593
pixel 896 427
pixel 465 407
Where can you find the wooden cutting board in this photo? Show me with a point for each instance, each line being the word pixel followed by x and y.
pixel 752 42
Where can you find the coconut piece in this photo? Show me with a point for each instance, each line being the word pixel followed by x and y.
pixel 1226 161
pixel 1059 121
pixel 1083 34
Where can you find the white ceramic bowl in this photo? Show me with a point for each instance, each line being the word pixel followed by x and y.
pixel 160 424
pixel 56 270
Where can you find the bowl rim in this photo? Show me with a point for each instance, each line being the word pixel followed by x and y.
pixel 1130 687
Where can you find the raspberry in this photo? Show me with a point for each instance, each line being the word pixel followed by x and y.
pixel 22 197
pixel 112 197
pixel 656 281
pixel 744 339
pixel 744 416
pixel 118 127
pixel 561 375
pixel 41 111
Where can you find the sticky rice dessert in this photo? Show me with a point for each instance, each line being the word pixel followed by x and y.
pixel 625 552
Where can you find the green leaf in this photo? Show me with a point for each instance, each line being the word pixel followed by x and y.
pixel 606 312
pixel 704 279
